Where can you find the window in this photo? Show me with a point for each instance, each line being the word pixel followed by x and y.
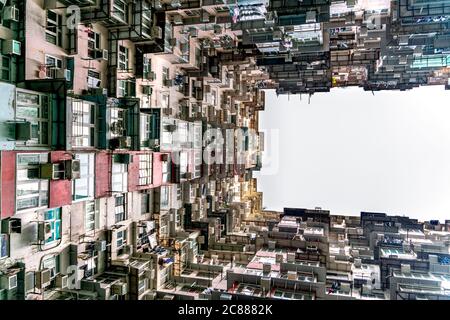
pixel 145 169
pixel 83 123
pixel 164 100
pixel 119 177
pixel 53 28
pixel 165 171
pixel 165 73
pixel 126 88
pixel 120 9
pixel 93 43
pixel 123 58
pixel 52 64
pixel 117 122
pixel 34 107
pixel 145 130
pixel 164 196
pixel 93 79
pixel 147 67
pixel 121 239
pixel 31 192
pixel 120 210
pixel 83 187
pixel 146 203
pixel 91 215
pixel 5 68
pixel 53 216
pixel 51 263
pixel 146 18
pixel 4 246
pixel 192 13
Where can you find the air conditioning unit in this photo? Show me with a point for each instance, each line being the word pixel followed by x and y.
pixel 168 82
pixel 177 19
pixel 11 225
pixel 62 281
pixel 12 47
pixel 67 74
pixel 175 3
pixel 156 32
pixel 123 142
pixel 124 158
pixel 151 76
pixel 11 13
pixel 43 278
pixel 157 4
pixel 147 90
pixel 23 131
pixel 170 127
pixel 52 171
pixel 164 157
pixel 225 296
pixel 277 35
pixel 152 143
pixel 205 16
pixel 100 246
pixel 120 288
pixel 44 230
pixel 405 268
pixel 357 263
pixel 101 54
pixel 8 281
pixel 311 17
pixel 150 296
pixel 72 169
pixel 265 283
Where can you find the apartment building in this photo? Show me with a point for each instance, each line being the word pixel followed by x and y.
pixel 129 134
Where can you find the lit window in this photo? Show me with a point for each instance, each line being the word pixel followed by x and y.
pixel 53 28
pixel 53 217
pixel 145 169
pixel 83 187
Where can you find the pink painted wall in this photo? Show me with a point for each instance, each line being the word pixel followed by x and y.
pixel 8 183
pixel 60 191
pixel 133 173
pixel 102 174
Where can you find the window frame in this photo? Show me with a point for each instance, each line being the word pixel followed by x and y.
pixel 42 193
pixel 120 209
pixel 123 58
pixel 87 175
pixel 83 109
pixel 51 24
pixel 145 169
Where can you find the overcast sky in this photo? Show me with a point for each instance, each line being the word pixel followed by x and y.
pixel 350 151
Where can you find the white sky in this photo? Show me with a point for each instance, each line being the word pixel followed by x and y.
pixel 349 151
